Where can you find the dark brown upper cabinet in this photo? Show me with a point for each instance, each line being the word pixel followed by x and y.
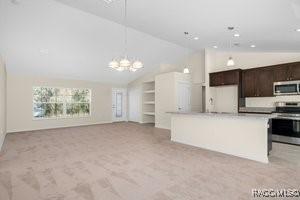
pixel 294 71
pixel 257 82
pixel 230 77
pixel 249 83
pixel 265 82
pixel 286 72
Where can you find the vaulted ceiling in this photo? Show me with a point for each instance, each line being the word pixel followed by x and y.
pixel 77 38
pixel 268 24
pixel 47 38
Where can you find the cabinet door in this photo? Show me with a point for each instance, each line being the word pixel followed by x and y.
pixel 249 83
pixel 281 73
pixel 264 82
pixel 216 79
pixel 231 77
pixel 294 71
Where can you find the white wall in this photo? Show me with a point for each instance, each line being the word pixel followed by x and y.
pixel 225 98
pixel 19 103
pixel 166 97
pixel 2 102
pixel 196 63
pixel 47 38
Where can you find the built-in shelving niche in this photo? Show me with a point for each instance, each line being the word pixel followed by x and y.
pixel 149 102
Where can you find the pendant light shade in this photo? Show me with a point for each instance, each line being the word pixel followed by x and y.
pixel 186 70
pixel 230 62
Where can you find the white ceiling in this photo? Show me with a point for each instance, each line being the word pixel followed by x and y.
pixel 47 38
pixel 269 24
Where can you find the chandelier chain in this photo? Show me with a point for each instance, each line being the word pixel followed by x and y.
pixel 125 26
pixel 124 64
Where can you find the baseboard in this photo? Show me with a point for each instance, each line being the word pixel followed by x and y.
pixel 162 127
pixel 58 127
pixel 2 137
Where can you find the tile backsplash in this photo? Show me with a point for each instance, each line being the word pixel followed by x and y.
pixel 269 101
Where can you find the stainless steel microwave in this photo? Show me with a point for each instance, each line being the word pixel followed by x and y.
pixel 287 88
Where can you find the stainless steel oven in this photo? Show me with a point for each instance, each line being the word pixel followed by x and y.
pixel 286 126
pixel 287 88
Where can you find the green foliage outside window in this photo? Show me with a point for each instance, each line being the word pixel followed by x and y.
pixel 60 102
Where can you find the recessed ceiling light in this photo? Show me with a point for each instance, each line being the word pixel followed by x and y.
pixel 44 51
pixel 236 35
pixel 215 47
pixel 252 46
pixel 298 29
pixel 196 38
pixel 15 2
pixel 108 1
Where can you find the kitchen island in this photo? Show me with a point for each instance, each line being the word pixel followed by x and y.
pixel 243 135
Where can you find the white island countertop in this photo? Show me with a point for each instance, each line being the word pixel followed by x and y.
pixel 224 114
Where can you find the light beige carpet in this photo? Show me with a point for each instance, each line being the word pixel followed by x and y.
pixel 132 162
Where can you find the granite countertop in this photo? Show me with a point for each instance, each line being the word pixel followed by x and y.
pixel 223 114
pixel 262 110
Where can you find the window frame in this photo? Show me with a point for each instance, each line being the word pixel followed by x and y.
pixel 64 116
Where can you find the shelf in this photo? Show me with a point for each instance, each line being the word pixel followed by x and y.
pixel 149 102
pixel 149 113
pixel 149 91
pixel 149 81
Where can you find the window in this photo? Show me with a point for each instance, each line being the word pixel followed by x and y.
pixel 51 102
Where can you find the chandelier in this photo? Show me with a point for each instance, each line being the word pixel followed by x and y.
pixel 125 64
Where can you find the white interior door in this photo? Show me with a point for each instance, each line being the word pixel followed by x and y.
pixel 184 96
pixel 119 97
pixel 134 97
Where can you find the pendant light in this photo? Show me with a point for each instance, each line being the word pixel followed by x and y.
pixel 124 64
pixel 230 62
pixel 186 69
